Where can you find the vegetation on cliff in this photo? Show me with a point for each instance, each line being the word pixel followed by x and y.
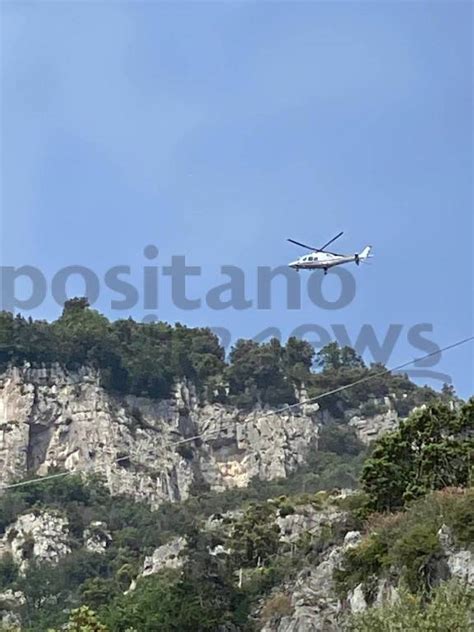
pixel 100 579
pixel 146 359
pixel 430 450
pixel 413 482
pixel 450 609
pixel 403 546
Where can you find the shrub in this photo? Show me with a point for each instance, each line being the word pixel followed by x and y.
pixel 460 514
pixel 276 607
pixel 414 553
pixel 360 564
pixel 286 510
pixel 84 620
pixel 430 450
pixel 255 537
pixel 358 504
pixel 449 610
pixel 371 408
pixel 8 570
pixel 185 451
pixel 405 544
pixel 340 439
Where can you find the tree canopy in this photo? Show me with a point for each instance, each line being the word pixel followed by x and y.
pixel 430 450
pixel 147 359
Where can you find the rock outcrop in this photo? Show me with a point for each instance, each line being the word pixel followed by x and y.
pixel 307 520
pixel 460 562
pixel 166 556
pixel 97 537
pixel 51 418
pixel 43 537
pixel 10 601
pixel 313 598
pixel 153 450
pixel 370 426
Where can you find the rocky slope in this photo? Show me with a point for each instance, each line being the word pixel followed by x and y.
pixel 51 418
pixel 157 451
pixel 40 536
pixel 316 535
pixel 313 601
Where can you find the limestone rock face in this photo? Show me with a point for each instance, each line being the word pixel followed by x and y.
pixel 97 537
pixel 307 520
pixel 316 606
pixel 155 451
pixel 460 562
pixel 370 427
pixel 51 418
pixel 166 556
pixel 10 601
pixel 313 596
pixel 386 593
pixel 356 599
pixel 43 537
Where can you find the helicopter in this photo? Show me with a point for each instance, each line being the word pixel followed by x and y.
pixel 323 259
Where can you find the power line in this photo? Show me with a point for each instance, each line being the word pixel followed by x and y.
pixel 361 380
pixel 374 375
pixel 36 480
pixel 286 408
pixel 49 477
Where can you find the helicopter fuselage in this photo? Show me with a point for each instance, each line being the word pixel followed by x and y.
pixel 321 260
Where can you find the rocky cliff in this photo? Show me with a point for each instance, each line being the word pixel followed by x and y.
pixel 313 534
pixel 54 419
pixel 313 602
pixel 50 418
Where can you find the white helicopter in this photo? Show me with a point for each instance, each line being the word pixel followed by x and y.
pixel 321 258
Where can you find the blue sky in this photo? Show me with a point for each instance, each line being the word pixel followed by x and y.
pixel 217 130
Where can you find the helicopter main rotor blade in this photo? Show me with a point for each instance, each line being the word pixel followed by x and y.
pixel 313 247
pixel 302 245
pixel 331 240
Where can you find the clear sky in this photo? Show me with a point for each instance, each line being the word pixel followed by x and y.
pixel 217 130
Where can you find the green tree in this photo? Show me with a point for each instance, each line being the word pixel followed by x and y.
pixel 298 356
pixel 146 357
pixel 430 450
pixel 450 610
pixel 258 373
pixel 340 439
pixel 256 536
pixel 8 570
pixel 97 591
pixel 85 335
pixel 25 340
pixel 332 357
pixel 84 619
pixel 199 600
pixel 448 392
